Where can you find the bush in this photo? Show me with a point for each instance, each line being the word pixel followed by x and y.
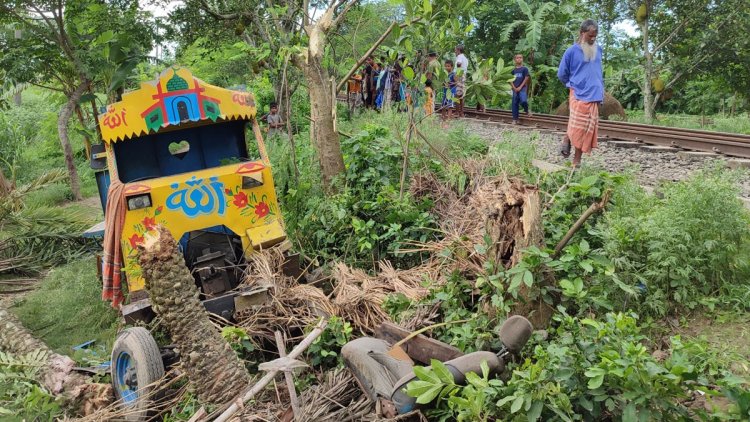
pixel 365 221
pixel 682 249
pixel 590 370
pixel 603 370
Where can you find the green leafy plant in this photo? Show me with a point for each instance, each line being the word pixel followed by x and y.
pixel 469 402
pixel 238 339
pixel 21 395
pixel 326 349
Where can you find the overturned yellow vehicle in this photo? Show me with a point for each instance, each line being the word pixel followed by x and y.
pixel 175 155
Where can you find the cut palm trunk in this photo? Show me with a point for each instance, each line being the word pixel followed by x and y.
pixel 77 393
pixel 215 372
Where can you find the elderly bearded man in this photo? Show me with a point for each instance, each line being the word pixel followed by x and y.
pixel 581 71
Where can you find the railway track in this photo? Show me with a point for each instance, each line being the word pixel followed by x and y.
pixel 685 139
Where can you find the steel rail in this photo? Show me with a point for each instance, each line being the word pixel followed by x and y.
pixel 729 144
pixel 689 139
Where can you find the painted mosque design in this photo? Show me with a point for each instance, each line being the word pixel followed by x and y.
pixel 180 103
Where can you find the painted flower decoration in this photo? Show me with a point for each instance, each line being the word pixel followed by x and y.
pixel 240 200
pixel 261 210
pixel 228 191
pixel 135 240
pixel 149 223
pixel 159 209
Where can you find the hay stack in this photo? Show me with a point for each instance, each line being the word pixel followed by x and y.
pixel 292 306
pixel 358 297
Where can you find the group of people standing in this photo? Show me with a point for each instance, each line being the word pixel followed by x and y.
pixel 580 70
pixel 384 84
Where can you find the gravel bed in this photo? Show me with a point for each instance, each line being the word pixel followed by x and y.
pixel 654 167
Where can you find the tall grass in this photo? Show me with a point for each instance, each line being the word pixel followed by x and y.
pixel 67 310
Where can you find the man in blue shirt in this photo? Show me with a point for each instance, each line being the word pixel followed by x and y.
pixel 520 86
pixel 581 71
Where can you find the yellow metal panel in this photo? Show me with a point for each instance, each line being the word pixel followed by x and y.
pixel 199 200
pixel 267 235
pixel 175 97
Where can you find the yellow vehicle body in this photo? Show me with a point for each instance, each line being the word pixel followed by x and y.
pixel 238 195
pixel 207 198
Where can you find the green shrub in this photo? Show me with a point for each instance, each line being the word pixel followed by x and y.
pixel 600 369
pixel 22 397
pixel 684 247
pixel 325 351
pixel 365 221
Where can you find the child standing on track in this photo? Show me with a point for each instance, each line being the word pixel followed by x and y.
pixel 449 91
pixel 520 87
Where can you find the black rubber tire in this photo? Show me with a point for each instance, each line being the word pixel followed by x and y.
pixel 144 352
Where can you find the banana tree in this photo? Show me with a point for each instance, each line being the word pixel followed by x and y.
pixel 535 24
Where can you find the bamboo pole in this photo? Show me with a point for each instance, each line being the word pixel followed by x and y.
pixel 260 385
pixel 289 378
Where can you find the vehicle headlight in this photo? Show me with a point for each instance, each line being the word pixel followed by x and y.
pixel 249 182
pixel 137 202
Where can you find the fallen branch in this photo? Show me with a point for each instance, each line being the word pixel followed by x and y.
pixel 432 147
pixel 594 208
pixel 238 403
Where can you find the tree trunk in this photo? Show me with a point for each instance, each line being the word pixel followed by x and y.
pixel 62 129
pixel 514 222
pixel 215 372
pixel 5 185
pixel 322 133
pixel 76 392
pixel 86 140
pixel 648 105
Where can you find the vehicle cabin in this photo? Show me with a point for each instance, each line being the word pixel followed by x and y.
pixel 179 147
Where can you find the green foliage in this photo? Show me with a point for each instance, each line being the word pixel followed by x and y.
pixel 684 248
pixel 470 328
pixel 601 369
pixel 366 221
pixel 488 83
pixel 325 351
pixel 185 409
pixel 22 397
pixel 238 339
pixel 454 402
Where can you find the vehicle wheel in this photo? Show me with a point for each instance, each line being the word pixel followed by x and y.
pixel 136 363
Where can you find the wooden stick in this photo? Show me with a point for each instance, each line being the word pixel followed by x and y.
pixel 261 143
pixel 263 382
pixel 594 208
pixel 198 415
pixel 289 378
pixel 432 147
pixel 362 59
